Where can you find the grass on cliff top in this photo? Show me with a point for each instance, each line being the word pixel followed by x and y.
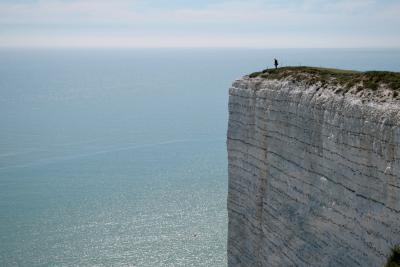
pixel 346 78
pixel 394 259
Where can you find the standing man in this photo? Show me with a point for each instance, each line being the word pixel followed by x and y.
pixel 276 63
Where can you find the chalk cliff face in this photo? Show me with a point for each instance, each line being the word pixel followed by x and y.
pixel 314 176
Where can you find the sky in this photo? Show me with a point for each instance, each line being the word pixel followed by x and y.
pixel 200 23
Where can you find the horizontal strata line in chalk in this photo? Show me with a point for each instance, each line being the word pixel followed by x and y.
pixel 322 167
pixel 262 132
pixel 321 157
pixel 334 209
pixel 290 249
pixel 374 168
pixel 339 202
pixel 280 193
pixel 234 248
pixel 250 224
pixel 328 178
pixel 294 180
pixel 299 179
pixel 305 204
pixel 287 124
pixel 308 121
pixel 316 236
pixel 293 177
pixel 309 97
pixel 329 221
pixel 321 121
pixel 259 231
pixel 339 162
pixel 316 173
pixel 336 110
pixel 323 138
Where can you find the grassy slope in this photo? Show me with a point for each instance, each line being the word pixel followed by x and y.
pixel 345 78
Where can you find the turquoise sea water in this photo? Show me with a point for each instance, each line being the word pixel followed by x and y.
pixel 118 158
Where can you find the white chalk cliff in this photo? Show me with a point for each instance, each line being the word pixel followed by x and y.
pixel 314 175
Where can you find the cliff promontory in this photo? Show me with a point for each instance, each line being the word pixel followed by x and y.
pixel 314 168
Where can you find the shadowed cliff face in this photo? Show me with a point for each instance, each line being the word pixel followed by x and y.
pixel 314 176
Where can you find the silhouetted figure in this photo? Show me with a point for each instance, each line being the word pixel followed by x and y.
pixel 276 63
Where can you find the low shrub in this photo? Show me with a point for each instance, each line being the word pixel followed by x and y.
pixel 394 259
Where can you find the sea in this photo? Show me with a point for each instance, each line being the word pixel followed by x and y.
pixel 117 157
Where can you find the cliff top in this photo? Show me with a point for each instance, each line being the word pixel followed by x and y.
pixel 380 85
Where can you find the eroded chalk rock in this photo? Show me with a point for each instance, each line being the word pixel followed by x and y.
pixel 314 176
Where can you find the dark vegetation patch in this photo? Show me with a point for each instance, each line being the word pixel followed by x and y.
pixel 394 259
pixel 347 79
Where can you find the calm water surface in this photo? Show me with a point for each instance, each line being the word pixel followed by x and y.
pixel 117 157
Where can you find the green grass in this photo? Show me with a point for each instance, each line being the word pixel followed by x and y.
pixel 326 76
pixel 394 259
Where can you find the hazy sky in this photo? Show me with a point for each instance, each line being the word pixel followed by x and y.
pixel 202 23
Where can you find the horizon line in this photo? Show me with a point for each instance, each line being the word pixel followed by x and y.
pixel 190 47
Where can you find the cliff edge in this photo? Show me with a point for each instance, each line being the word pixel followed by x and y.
pixel 314 168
